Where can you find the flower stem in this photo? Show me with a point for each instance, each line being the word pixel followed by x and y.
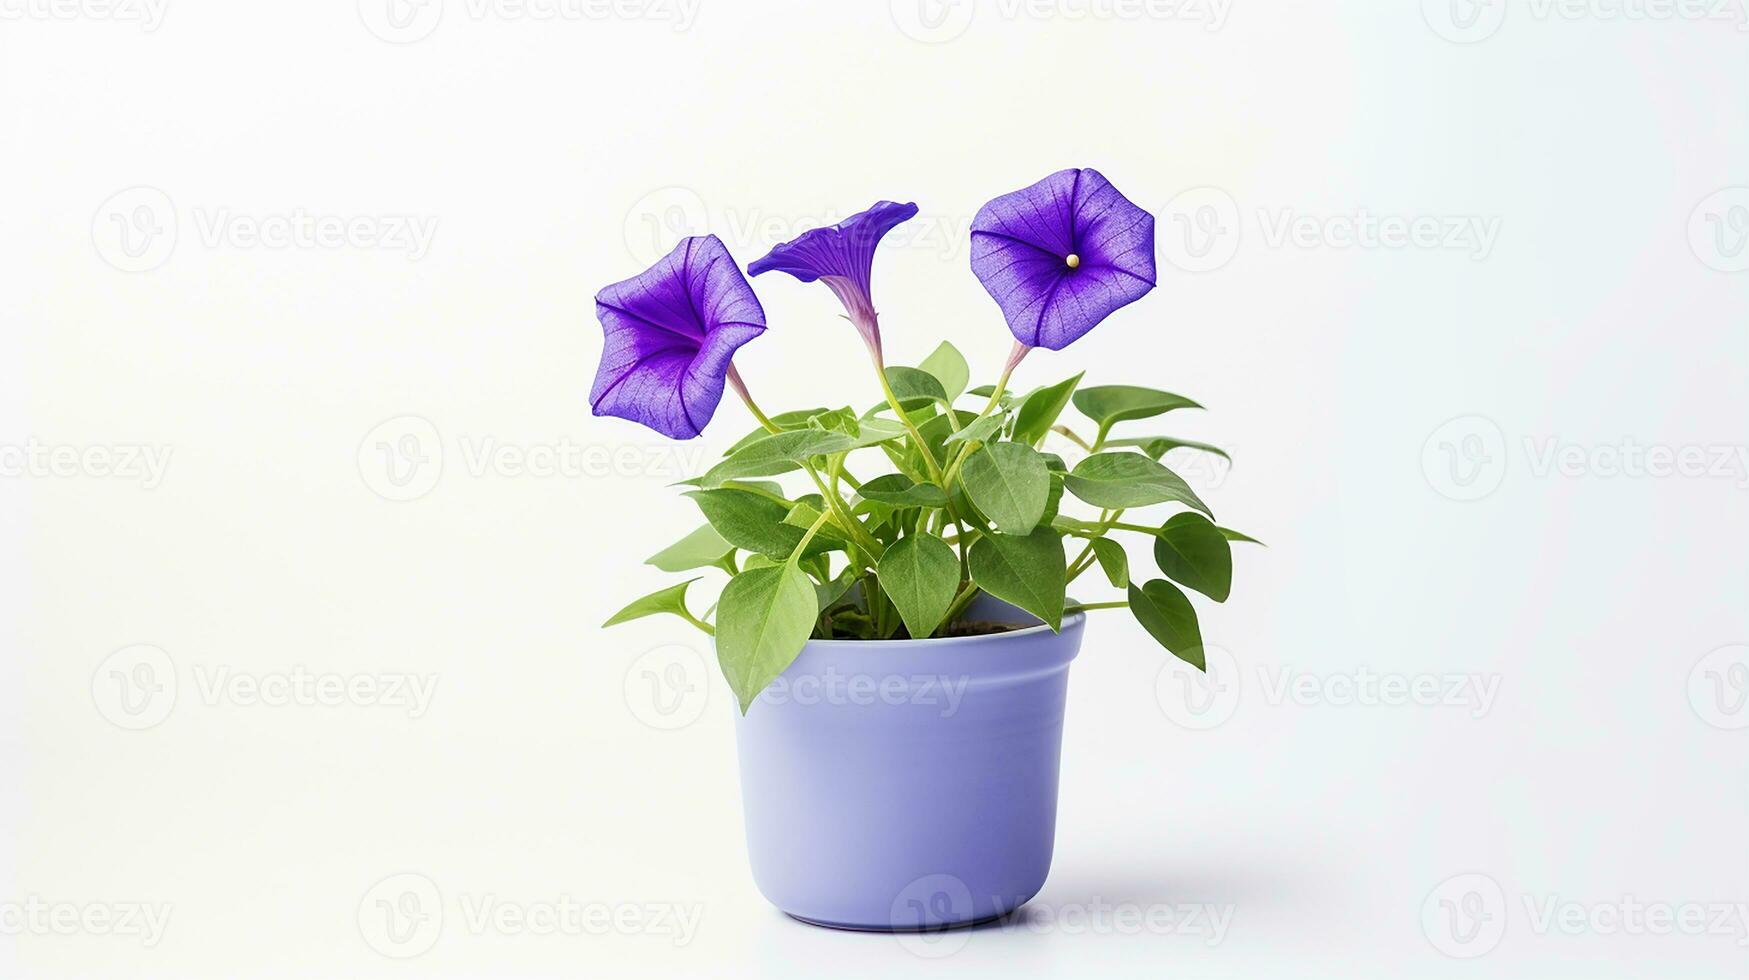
pixel 911 427
pixel 740 387
pixel 834 504
pixel 1015 355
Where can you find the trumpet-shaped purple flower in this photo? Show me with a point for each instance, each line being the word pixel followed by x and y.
pixel 1061 255
pixel 841 256
pixel 671 331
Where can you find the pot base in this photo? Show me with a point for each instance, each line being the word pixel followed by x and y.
pixel 851 927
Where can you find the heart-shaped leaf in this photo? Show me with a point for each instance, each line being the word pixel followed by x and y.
pixel 1009 483
pixel 764 618
pixel 980 430
pixel 949 367
pixel 1039 410
pixel 920 574
pixel 914 386
pixel 1191 551
pixel 1168 617
pixel 1120 480
pixel 1028 571
pixel 1111 404
pixel 777 453
pixel 753 522
pixel 1112 560
pixel 670 600
pixel 1158 446
pixel 898 490
pixel 699 549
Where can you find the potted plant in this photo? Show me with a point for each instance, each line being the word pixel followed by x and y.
pixel 899 641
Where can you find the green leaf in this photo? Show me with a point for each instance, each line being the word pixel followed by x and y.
pixel 1120 480
pixel 949 367
pixel 832 590
pixel 671 600
pixel 935 432
pixel 1039 410
pixel 898 490
pixel 1158 446
pixel 920 574
pixel 1191 551
pixel 777 453
pixel 1028 571
pixel 697 550
pixel 1053 500
pixel 913 385
pixel 1113 561
pixel 753 522
pixel 1168 617
pixel 1009 483
pixel 1111 404
pixel 985 391
pixel 764 619
pixel 1232 535
pixel 980 430
pixel 784 420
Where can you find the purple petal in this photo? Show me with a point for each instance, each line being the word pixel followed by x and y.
pixel 1021 244
pixel 842 255
pixel 670 333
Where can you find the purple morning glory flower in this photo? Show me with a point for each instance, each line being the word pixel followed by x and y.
pixel 1061 255
pixel 840 257
pixel 671 331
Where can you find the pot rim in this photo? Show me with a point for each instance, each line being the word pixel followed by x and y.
pixel 1071 621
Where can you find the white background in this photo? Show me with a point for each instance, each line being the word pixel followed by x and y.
pixel 1531 548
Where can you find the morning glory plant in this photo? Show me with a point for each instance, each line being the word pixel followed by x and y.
pixel 885 521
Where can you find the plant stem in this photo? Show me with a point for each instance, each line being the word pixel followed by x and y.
pixel 708 629
pixel 834 503
pixel 1015 355
pixel 911 427
pixel 740 387
pixel 1084 606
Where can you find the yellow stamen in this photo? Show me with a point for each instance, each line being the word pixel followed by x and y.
pixel 1074 261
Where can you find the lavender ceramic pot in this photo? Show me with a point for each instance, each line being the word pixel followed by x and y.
pixel 909 784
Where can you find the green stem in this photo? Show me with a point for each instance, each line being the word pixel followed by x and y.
pixel 709 630
pixel 1084 606
pixel 1015 355
pixel 911 427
